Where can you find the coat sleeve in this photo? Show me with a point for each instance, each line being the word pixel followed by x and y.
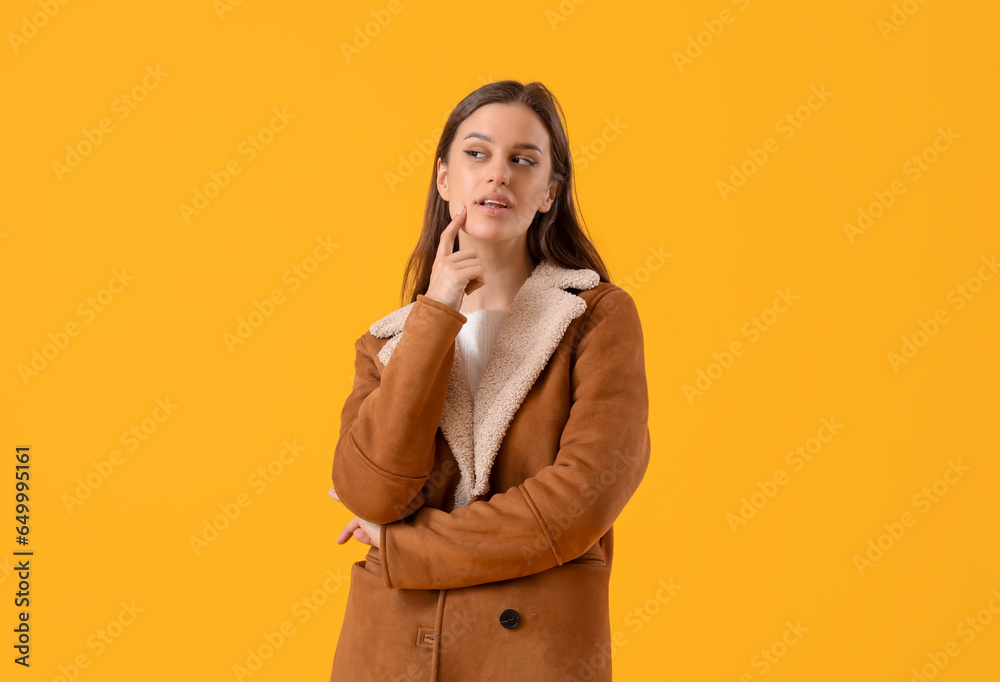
pixel 386 448
pixel 565 508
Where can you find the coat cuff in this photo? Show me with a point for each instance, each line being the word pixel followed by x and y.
pixel 381 549
pixel 441 306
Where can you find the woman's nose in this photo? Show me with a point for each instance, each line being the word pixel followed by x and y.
pixel 499 172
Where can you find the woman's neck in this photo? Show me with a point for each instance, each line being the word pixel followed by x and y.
pixel 503 281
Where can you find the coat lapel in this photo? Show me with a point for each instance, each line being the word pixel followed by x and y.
pixel 535 324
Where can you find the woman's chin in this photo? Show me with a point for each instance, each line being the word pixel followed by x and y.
pixel 492 230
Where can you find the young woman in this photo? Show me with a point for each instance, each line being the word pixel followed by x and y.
pixel 497 424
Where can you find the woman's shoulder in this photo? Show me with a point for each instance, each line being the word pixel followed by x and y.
pixel 608 330
pixel 609 299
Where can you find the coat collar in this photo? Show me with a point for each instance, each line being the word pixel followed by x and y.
pixel 535 324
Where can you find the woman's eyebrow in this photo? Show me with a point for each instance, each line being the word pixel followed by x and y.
pixel 519 145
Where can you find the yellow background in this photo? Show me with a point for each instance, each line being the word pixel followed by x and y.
pixel 648 186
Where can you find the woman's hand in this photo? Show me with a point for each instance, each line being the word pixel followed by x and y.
pixel 453 275
pixel 361 530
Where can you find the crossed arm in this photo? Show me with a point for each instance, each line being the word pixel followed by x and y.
pixel 549 518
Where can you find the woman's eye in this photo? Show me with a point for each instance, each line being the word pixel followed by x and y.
pixel 530 162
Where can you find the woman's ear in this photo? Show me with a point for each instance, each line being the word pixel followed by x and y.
pixel 550 198
pixel 442 179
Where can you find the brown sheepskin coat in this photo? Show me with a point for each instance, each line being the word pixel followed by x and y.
pixel 497 546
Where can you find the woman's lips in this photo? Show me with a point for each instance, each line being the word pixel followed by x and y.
pixel 492 209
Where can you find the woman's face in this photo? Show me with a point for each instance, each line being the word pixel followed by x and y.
pixel 501 149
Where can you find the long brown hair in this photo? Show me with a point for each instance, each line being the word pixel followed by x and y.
pixel 557 235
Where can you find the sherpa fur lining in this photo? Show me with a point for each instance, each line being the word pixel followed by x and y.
pixel 532 329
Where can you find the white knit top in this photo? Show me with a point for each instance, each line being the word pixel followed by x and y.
pixel 475 340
